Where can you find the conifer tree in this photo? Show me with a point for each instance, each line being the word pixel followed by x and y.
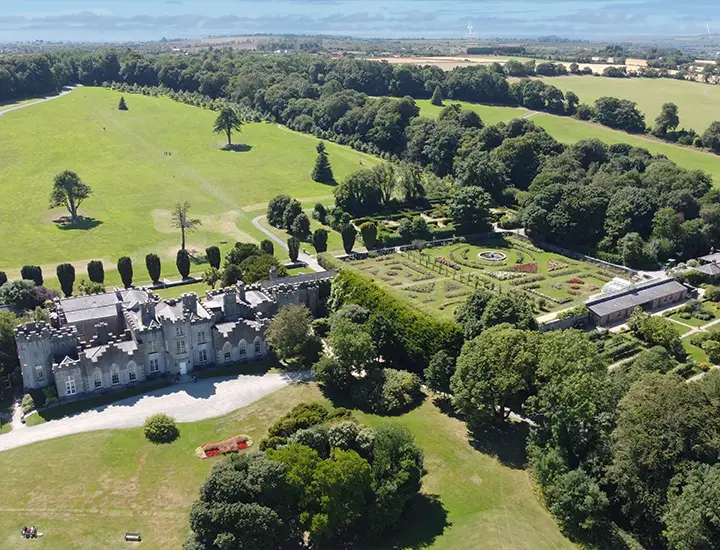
pixel 322 173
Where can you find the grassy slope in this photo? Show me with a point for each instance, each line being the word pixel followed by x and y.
pixel 570 130
pixel 135 184
pixel 86 490
pixel 699 104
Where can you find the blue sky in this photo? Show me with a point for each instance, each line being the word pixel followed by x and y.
pixel 113 20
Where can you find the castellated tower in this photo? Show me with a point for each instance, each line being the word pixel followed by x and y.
pixel 39 346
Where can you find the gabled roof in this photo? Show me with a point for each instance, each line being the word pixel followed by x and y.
pixel 633 297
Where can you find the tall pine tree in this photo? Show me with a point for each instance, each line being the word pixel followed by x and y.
pixel 437 97
pixel 122 105
pixel 322 172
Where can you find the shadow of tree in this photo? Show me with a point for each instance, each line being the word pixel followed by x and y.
pixel 506 442
pixel 237 147
pixel 425 519
pixel 82 223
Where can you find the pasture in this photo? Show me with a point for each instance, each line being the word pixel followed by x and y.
pixel 569 130
pixel 699 104
pixel 439 279
pixel 140 163
pixel 98 485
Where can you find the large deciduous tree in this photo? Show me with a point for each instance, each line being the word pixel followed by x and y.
pixel 69 191
pixel 469 209
pixel 276 210
pixel 181 220
pixel 667 120
pixel 66 276
pixel 152 263
pixel 267 247
pixel 227 122
pixel 289 330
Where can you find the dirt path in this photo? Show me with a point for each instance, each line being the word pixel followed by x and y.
pixel 24 105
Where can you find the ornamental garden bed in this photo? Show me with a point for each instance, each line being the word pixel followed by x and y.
pixel 231 445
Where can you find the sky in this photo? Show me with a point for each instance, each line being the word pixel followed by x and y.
pixel 126 20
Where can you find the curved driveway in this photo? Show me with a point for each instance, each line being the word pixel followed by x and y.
pixel 186 403
pixel 303 257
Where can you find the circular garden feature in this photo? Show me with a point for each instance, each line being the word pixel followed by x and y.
pixel 492 256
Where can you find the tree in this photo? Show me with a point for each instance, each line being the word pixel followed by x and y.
pixel 289 330
pixel 69 191
pixel 469 209
pixel 267 247
pixel 440 371
pixel 96 271
pixel 711 137
pixel 18 295
pixel 124 267
pixel 437 97
pixel 228 122
pixel 368 230
pixel 152 263
pixel 160 428
pixel 240 252
pixel 182 261
pixel 301 227
pixel 32 273
pixel 320 240
pixel 3 278
pixel 359 193
pixel 578 502
pixel 66 276
pixel 667 120
pixel 276 210
pixel 88 288
pixel 211 276
pixel 9 362
pixel 322 173
pixel 293 248
pixel 572 101
pixel 386 181
pixel 348 235
pixel 122 106
pixel 491 371
pixel 253 269
pixel 320 213
pixel 212 254
pixel 181 220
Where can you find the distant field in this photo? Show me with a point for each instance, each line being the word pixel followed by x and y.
pixel 121 155
pixel 450 62
pixel 699 104
pixel 570 130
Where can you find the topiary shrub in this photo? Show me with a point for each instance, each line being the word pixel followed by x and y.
pixel 28 403
pixel 161 428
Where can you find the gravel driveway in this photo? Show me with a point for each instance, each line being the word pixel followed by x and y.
pixel 187 403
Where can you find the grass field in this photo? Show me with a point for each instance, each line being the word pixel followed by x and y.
pixel 85 491
pixel 438 289
pixel 121 155
pixel 699 104
pixel 569 130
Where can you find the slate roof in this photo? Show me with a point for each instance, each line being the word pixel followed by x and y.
pixel 633 297
pixel 305 278
pixel 710 258
pixel 709 269
pixel 102 312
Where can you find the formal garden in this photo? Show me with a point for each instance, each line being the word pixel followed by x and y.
pixel 438 279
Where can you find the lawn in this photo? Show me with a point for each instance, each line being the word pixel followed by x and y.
pixel 122 156
pixel 335 245
pixel 438 288
pixel 569 130
pixel 694 352
pixel 696 102
pixel 681 325
pixel 102 484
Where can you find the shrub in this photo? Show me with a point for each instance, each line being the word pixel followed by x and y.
pixel 28 403
pixel 32 273
pixel 321 327
pixel 51 395
pixel 96 271
pixel 161 428
pixel 300 417
pixel 712 293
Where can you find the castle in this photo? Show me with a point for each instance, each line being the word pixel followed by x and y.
pixel 102 342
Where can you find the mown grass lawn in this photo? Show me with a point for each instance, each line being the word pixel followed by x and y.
pixel 569 130
pixel 696 102
pixel 84 491
pixel 122 156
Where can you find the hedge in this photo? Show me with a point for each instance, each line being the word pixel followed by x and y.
pixel 328 261
pixel 420 335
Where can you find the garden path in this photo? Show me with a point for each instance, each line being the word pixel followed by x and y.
pixel 186 403
pixel 43 100
pixel 306 258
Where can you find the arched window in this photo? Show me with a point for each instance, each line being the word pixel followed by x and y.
pixel 97 377
pixel 132 371
pixel 115 375
pixel 227 352
pixel 258 346
pixel 242 348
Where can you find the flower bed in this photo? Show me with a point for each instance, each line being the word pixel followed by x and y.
pixel 504 275
pixel 525 268
pixel 448 263
pixel 526 280
pixel 554 265
pixel 575 281
pixel 565 273
pixel 232 445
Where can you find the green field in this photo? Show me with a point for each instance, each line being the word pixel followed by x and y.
pixel 569 130
pixel 699 104
pixel 85 491
pixel 121 155
pixel 438 288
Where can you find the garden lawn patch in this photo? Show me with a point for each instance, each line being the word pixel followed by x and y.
pixel 696 353
pixel 130 484
pixel 135 185
pixel 681 328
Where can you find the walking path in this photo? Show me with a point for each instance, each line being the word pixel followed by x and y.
pixel 306 258
pixel 17 423
pixel 186 403
pixel 43 100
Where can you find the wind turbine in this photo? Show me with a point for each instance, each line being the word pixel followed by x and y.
pixel 470 31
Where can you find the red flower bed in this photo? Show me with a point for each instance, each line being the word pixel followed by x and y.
pixel 575 281
pixel 525 268
pixel 232 445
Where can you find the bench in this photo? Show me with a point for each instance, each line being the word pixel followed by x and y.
pixel 132 537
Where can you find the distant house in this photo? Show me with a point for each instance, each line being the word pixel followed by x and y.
pixel 617 306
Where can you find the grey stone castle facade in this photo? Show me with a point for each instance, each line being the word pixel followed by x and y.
pixel 98 343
